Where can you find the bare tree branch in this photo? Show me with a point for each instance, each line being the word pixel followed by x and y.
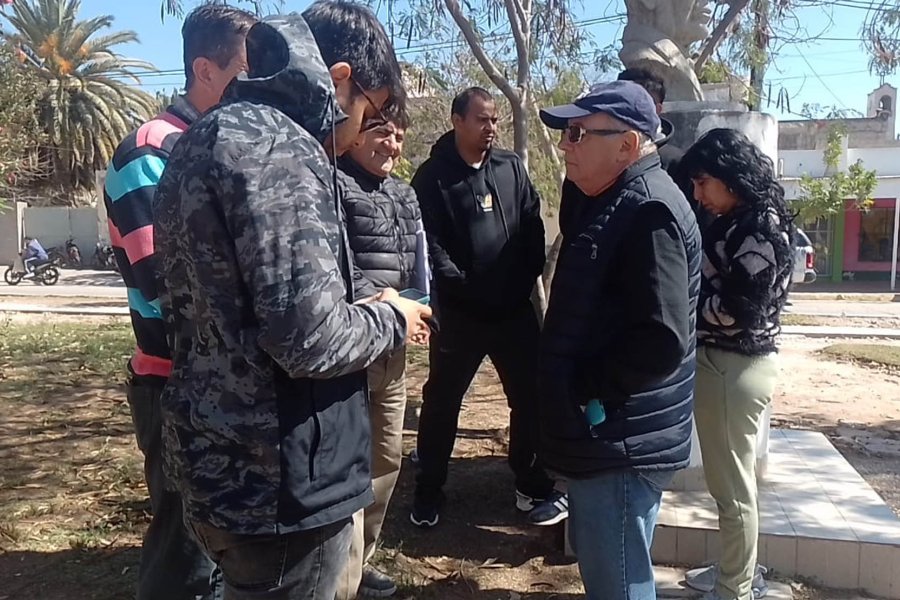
pixel 719 33
pixel 519 25
pixel 481 56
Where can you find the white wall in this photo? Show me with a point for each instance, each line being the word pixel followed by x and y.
pixel 54 225
pixel 885 161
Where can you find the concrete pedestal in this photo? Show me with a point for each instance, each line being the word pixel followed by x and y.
pixel 693 119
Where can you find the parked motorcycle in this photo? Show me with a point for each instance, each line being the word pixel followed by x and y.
pixel 73 253
pixel 47 273
pixel 68 258
pixel 104 257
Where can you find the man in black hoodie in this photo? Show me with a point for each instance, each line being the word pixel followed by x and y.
pixel 264 415
pixel 486 240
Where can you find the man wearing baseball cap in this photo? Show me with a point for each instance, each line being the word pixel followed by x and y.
pixel 617 362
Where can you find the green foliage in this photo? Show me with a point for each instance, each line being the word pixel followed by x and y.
pixel 85 108
pixel 815 110
pixel 404 170
pixel 176 8
pixel 715 71
pixel 881 36
pixel 823 196
pixel 20 132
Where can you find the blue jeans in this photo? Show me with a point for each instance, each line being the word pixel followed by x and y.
pixel 173 566
pixel 611 521
pixel 303 565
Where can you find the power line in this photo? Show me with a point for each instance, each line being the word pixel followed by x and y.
pixel 822 81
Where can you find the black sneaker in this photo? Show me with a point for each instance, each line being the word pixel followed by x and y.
pixel 424 514
pixel 376 584
pixel 551 511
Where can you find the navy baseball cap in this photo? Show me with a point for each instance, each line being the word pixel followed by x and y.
pixel 623 100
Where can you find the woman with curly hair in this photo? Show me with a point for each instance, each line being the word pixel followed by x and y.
pixel 747 265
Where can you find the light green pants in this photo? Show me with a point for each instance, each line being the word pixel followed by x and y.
pixel 732 391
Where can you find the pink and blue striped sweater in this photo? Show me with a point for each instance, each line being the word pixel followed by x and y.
pixel 131 180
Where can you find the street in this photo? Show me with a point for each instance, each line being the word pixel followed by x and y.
pixel 72 284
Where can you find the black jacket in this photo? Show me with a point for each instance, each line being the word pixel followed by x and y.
pixel 484 227
pixel 620 328
pixel 265 421
pixel 382 216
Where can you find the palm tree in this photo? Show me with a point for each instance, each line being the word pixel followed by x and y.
pixel 87 106
pixel 175 8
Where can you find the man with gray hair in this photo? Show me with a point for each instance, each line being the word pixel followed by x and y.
pixel 617 355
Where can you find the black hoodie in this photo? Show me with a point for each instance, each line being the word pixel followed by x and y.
pixel 265 421
pixel 484 227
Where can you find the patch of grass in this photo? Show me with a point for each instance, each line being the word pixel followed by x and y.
pixel 878 355
pixel 53 354
pixel 801 320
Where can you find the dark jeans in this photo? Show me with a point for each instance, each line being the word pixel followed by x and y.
pixel 456 352
pixel 172 564
pixel 304 565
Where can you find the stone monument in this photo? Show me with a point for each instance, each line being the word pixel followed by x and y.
pixel 658 36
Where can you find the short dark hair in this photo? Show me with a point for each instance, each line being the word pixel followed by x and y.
pixel 350 32
pixel 461 103
pixel 398 116
pixel 215 32
pixel 648 80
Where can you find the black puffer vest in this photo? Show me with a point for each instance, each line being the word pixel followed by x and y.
pixel 382 218
pixel 647 430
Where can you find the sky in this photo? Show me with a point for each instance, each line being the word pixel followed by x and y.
pixel 831 71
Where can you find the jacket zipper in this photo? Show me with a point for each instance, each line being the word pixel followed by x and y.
pixel 317 432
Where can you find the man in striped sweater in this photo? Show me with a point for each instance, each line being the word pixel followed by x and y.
pixel 172 564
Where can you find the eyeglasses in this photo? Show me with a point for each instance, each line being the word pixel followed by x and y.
pixel 574 134
pixel 379 119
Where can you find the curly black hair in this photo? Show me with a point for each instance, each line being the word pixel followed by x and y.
pixel 730 156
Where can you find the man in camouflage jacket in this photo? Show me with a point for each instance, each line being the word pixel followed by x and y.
pixel 265 422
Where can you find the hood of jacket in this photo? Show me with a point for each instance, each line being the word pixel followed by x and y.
pixel 286 72
pixel 667 130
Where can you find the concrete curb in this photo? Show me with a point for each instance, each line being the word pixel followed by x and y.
pixel 841 332
pixel 873 297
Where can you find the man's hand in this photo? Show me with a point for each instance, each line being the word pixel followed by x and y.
pixel 417 329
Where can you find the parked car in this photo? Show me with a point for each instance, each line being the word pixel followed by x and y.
pixel 804 259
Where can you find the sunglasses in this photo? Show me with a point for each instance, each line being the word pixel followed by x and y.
pixel 574 134
pixel 379 119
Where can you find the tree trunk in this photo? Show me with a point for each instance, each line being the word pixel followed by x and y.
pixel 520 125
pixel 760 43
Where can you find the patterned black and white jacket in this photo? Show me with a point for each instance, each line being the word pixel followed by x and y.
pixel 747 265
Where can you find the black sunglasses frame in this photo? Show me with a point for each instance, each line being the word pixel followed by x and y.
pixel 574 134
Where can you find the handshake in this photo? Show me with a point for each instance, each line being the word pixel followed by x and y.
pixel 416 314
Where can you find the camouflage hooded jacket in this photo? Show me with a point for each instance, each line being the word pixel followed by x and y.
pixel 264 417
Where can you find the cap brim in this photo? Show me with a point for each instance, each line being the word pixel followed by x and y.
pixel 557 117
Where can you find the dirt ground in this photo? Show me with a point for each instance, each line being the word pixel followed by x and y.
pixel 73 507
